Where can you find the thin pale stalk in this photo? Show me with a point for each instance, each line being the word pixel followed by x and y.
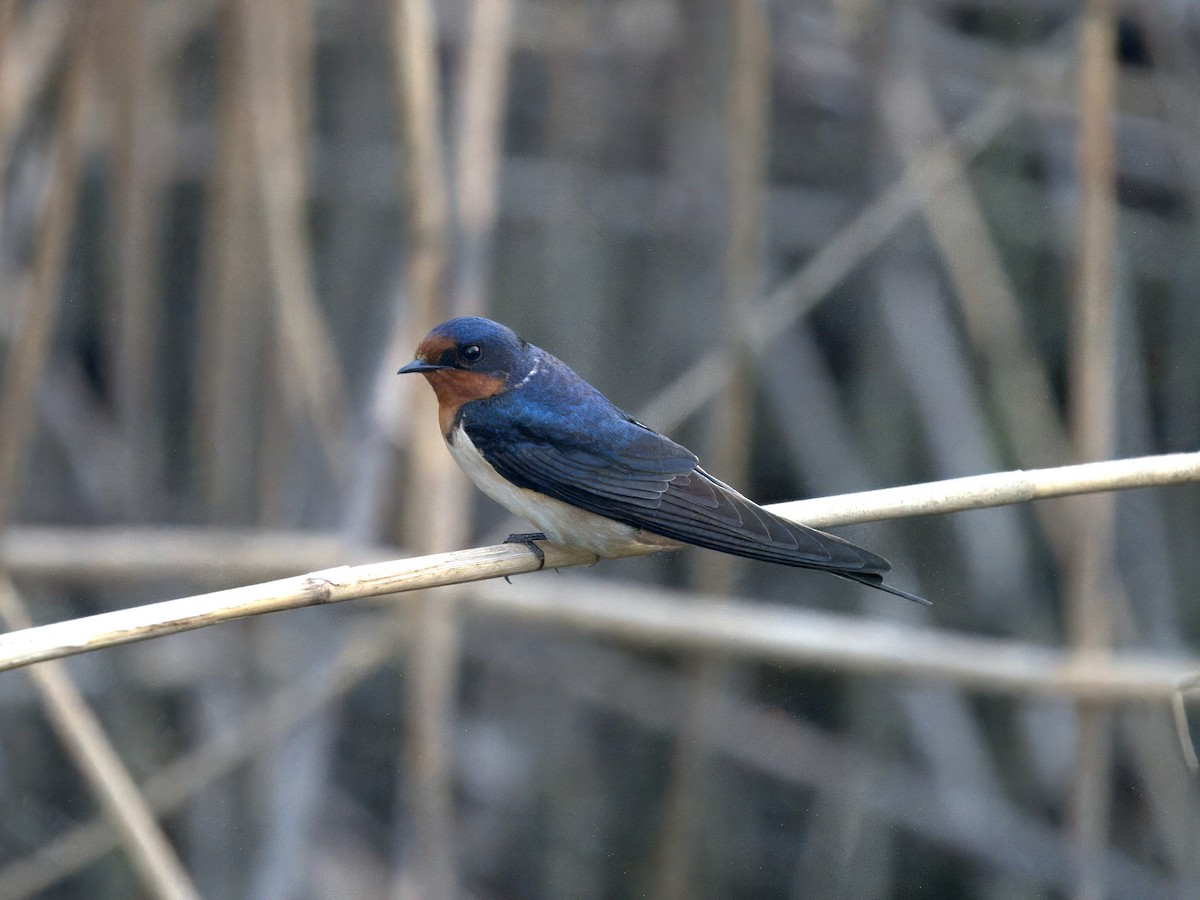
pixel 1091 580
pixel 134 332
pixel 310 371
pixel 848 247
pixel 482 102
pixel 435 502
pixel 171 787
pixel 81 733
pixel 744 136
pixel 353 582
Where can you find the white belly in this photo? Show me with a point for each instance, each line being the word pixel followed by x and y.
pixel 562 523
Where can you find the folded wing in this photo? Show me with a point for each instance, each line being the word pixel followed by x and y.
pixel 632 474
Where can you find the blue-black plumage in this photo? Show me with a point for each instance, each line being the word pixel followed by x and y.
pixel 543 442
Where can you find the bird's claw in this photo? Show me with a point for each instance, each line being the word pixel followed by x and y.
pixel 528 540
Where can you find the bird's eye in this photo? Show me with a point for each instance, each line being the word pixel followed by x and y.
pixel 472 352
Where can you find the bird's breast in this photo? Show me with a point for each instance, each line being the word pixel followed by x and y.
pixel 561 522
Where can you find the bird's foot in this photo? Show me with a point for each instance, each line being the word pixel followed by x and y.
pixel 528 541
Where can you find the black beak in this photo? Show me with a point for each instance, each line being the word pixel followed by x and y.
pixel 419 365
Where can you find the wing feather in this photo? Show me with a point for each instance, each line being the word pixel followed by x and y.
pixel 637 476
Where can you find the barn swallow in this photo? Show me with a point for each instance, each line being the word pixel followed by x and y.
pixel 541 441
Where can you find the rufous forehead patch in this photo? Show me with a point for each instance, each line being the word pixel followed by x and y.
pixel 431 349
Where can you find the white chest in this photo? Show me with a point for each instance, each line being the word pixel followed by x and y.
pixel 562 523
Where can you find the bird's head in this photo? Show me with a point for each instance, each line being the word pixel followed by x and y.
pixel 469 359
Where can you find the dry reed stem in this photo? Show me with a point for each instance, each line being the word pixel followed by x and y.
pixel 232 320
pixel 39 301
pixel 423 777
pixel 848 247
pixel 745 122
pixel 982 288
pixel 8 119
pixel 997 489
pixel 210 555
pixel 351 582
pixel 371 644
pixel 1020 387
pixel 152 856
pixel 31 54
pixel 1179 714
pixel 310 372
pixel 360 655
pixel 482 101
pixel 962 815
pixel 133 327
pixel 86 743
pixel 1090 577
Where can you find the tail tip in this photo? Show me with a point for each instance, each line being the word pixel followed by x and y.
pixel 877 582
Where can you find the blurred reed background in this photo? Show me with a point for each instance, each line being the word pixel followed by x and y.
pixel 888 242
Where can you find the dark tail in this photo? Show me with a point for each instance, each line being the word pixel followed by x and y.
pixel 876 581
